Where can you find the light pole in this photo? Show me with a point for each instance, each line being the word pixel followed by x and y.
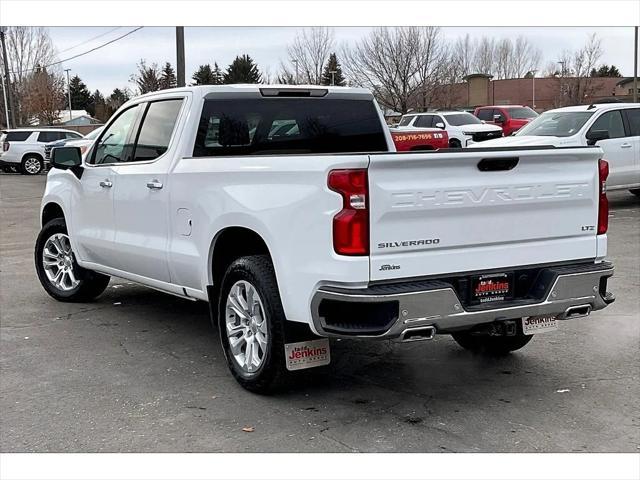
pixel 69 91
pixel 296 62
pixel 7 78
pixel 6 105
pixel 533 88
pixel 635 66
pixel 333 77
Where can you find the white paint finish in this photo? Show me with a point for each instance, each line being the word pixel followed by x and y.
pixel 473 220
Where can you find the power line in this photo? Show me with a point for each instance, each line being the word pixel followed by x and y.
pixel 83 53
pixel 90 40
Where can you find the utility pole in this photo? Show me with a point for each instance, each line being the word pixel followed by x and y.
pixel 7 78
pixel 69 92
pixel 6 105
pixel 635 67
pixel 296 62
pixel 533 88
pixel 180 55
pixel 333 77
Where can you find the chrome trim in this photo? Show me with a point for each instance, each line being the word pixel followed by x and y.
pixel 442 309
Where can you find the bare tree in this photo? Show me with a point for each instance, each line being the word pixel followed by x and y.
pixel 400 65
pixel 27 49
pixel 484 58
pixel 44 96
pixel 463 53
pixel 526 57
pixel 308 53
pixel 576 83
pixel 504 59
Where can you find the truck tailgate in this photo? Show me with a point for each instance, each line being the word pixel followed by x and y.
pixel 470 210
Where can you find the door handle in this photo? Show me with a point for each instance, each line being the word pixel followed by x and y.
pixel 106 183
pixel 625 145
pixel 154 185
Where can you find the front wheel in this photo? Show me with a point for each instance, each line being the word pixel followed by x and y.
pixel 455 143
pixel 251 322
pixel 58 270
pixel 491 345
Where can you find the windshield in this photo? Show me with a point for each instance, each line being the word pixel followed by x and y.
pixel 458 119
pixel 521 113
pixel 556 124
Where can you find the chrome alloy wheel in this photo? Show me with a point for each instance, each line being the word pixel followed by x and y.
pixel 246 326
pixel 32 165
pixel 57 259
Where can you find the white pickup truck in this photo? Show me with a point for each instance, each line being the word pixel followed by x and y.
pixel 321 229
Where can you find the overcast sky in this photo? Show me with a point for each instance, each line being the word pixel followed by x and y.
pixel 112 66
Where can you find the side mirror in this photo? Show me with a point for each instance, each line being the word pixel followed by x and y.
pixel 66 157
pixel 594 136
pixel 440 125
pixel 498 119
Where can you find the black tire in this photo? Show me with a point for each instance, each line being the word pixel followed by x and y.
pixel 491 345
pixel 29 163
pixel 6 169
pixel 91 284
pixel 455 143
pixel 272 374
pixel 636 192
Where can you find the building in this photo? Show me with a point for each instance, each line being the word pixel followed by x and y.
pixel 540 93
pixel 77 117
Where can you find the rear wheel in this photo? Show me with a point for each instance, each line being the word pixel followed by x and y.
pixel 58 270
pixel 485 344
pixel 251 322
pixel 31 165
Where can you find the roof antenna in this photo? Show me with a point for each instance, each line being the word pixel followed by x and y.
pixel 592 106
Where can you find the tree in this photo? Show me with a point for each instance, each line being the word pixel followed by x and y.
pixel 45 97
pixel 205 75
pixel 167 77
pixel 575 83
pixel 99 108
pixel 332 74
pixel 242 70
pixel 308 53
pixel 218 76
pixel 400 65
pixel 80 95
pixel 147 79
pixel 606 71
pixel 27 49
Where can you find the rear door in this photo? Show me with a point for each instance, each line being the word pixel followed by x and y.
pixel 435 213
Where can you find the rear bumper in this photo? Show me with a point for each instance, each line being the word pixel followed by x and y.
pixel 386 311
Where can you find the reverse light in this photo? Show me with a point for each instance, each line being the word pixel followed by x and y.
pixel 5 146
pixel 351 224
pixel 603 202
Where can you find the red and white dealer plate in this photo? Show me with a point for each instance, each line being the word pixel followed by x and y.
pixel 313 353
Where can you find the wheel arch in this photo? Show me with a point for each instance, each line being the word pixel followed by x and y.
pixel 50 211
pixel 32 154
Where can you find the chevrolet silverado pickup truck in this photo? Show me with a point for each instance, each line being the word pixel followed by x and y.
pixel 288 210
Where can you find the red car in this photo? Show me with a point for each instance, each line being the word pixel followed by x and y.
pixel 422 139
pixel 510 117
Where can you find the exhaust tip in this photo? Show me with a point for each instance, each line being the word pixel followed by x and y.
pixel 417 334
pixel 577 311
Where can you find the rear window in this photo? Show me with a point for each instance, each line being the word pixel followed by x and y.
pixel 404 121
pixel 17 136
pixel 292 126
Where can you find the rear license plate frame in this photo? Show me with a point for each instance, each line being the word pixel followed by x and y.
pixel 490 287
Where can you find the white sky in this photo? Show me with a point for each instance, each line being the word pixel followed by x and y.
pixel 112 66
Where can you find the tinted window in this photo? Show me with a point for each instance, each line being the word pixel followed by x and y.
pixel 611 122
pixel 318 125
pixel 633 115
pixel 72 135
pixel 157 127
pixel 556 124
pixel 485 114
pixel 458 119
pixel 114 144
pixel 17 136
pixel 521 112
pixel 406 120
pixel 46 137
pixel 424 121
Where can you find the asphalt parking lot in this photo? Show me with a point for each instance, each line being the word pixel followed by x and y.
pixel 141 371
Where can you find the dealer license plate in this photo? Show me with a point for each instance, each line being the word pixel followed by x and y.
pixel 534 325
pixel 491 288
pixel 313 353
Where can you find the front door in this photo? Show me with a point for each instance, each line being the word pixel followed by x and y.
pixel 141 200
pixel 618 150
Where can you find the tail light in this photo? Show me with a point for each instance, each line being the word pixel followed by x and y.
pixel 603 202
pixel 351 224
pixel 5 146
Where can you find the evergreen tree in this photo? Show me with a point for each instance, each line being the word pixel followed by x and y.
pixel 80 95
pixel 242 70
pixel 218 76
pixel 147 78
pixel 333 66
pixel 168 77
pixel 606 71
pixel 98 107
pixel 203 76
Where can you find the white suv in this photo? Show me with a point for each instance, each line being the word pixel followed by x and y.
pixel 463 128
pixel 23 148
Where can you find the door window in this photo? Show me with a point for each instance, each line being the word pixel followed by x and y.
pixel 611 122
pixel 424 121
pixel 46 137
pixel 71 135
pixel 633 116
pixel 157 128
pixel 486 114
pixel 115 144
